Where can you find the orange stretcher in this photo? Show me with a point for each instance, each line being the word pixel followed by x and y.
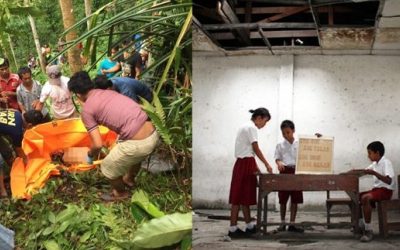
pixel 39 142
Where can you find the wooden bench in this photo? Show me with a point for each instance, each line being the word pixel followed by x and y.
pixel 330 202
pixel 383 208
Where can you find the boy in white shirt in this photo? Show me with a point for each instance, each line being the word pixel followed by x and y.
pixel 285 158
pixel 382 171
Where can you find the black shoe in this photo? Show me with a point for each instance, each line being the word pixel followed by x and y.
pixel 281 228
pixel 251 231
pixel 237 234
pixel 295 229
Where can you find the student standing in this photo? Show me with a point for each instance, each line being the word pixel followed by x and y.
pixel 244 181
pixel 285 158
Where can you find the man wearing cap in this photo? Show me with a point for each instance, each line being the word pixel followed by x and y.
pixel 57 89
pixel 8 86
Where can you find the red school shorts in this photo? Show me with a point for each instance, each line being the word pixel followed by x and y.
pixel 295 196
pixel 244 182
pixel 378 194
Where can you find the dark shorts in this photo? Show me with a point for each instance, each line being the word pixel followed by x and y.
pixel 378 194
pixel 244 182
pixel 295 196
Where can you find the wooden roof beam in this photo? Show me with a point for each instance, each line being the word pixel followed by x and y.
pixel 259 25
pixel 289 11
pixel 265 39
pixel 228 16
pixel 277 10
pixel 269 34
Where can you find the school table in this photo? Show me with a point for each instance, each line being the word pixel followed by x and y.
pixel 268 183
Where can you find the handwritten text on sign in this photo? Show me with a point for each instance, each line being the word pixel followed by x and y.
pixel 315 155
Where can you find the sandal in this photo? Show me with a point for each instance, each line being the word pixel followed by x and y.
pixel 111 197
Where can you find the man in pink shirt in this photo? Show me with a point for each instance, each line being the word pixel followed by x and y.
pixel 137 135
pixel 8 86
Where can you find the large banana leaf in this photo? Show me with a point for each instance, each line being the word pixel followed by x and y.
pixel 163 231
pixel 140 199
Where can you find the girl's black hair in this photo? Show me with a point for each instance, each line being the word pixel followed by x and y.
pixel 376 146
pixel 263 112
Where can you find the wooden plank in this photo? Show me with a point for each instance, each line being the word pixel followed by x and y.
pixel 269 34
pixel 303 182
pixel 265 39
pixel 227 14
pixel 330 16
pixel 289 11
pixel 275 10
pixel 259 25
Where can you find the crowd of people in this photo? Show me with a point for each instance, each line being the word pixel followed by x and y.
pixel 109 100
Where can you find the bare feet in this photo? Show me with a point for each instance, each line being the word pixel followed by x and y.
pixel 115 196
pixel 127 181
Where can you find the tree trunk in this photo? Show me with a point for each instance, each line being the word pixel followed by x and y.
pixel 88 10
pixel 36 39
pixel 37 44
pixel 14 59
pixel 74 59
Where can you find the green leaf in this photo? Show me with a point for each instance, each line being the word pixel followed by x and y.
pixel 85 236
pixel 62 228
pixel 140 198
pixel 67 213
pixel 186 243
pixel 52 217
pixel 48 230
pixel 164 231
pixel 184 30
pixel 139 214
pixel 51 245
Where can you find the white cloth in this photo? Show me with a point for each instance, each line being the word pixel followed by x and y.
pixel 385 168
pixel 246 135
pixel 287 152
pixel 61 100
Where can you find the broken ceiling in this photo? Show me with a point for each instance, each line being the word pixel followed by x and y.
pixel 297 26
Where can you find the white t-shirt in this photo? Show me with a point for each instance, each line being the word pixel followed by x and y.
pixel 385 168
pixel 287 152
pixel 61 100
pixel 244 139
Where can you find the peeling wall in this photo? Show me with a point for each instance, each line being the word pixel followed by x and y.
pixel 353 98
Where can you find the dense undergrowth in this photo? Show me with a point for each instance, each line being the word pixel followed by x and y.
pixel 68 213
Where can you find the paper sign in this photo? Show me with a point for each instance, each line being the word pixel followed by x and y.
pixel 315 155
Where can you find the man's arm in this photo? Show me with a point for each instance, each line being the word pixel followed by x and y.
pixel 97 143
pixel 21 154
pixel 114 69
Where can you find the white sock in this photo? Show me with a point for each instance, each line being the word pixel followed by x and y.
pixel 249 225
pixel 368 227
pixel 233 228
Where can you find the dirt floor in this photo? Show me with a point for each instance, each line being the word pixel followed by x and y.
pixel 210 228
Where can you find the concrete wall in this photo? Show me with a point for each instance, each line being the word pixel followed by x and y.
pixel 353 98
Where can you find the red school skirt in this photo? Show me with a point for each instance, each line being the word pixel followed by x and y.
pixel 244 182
